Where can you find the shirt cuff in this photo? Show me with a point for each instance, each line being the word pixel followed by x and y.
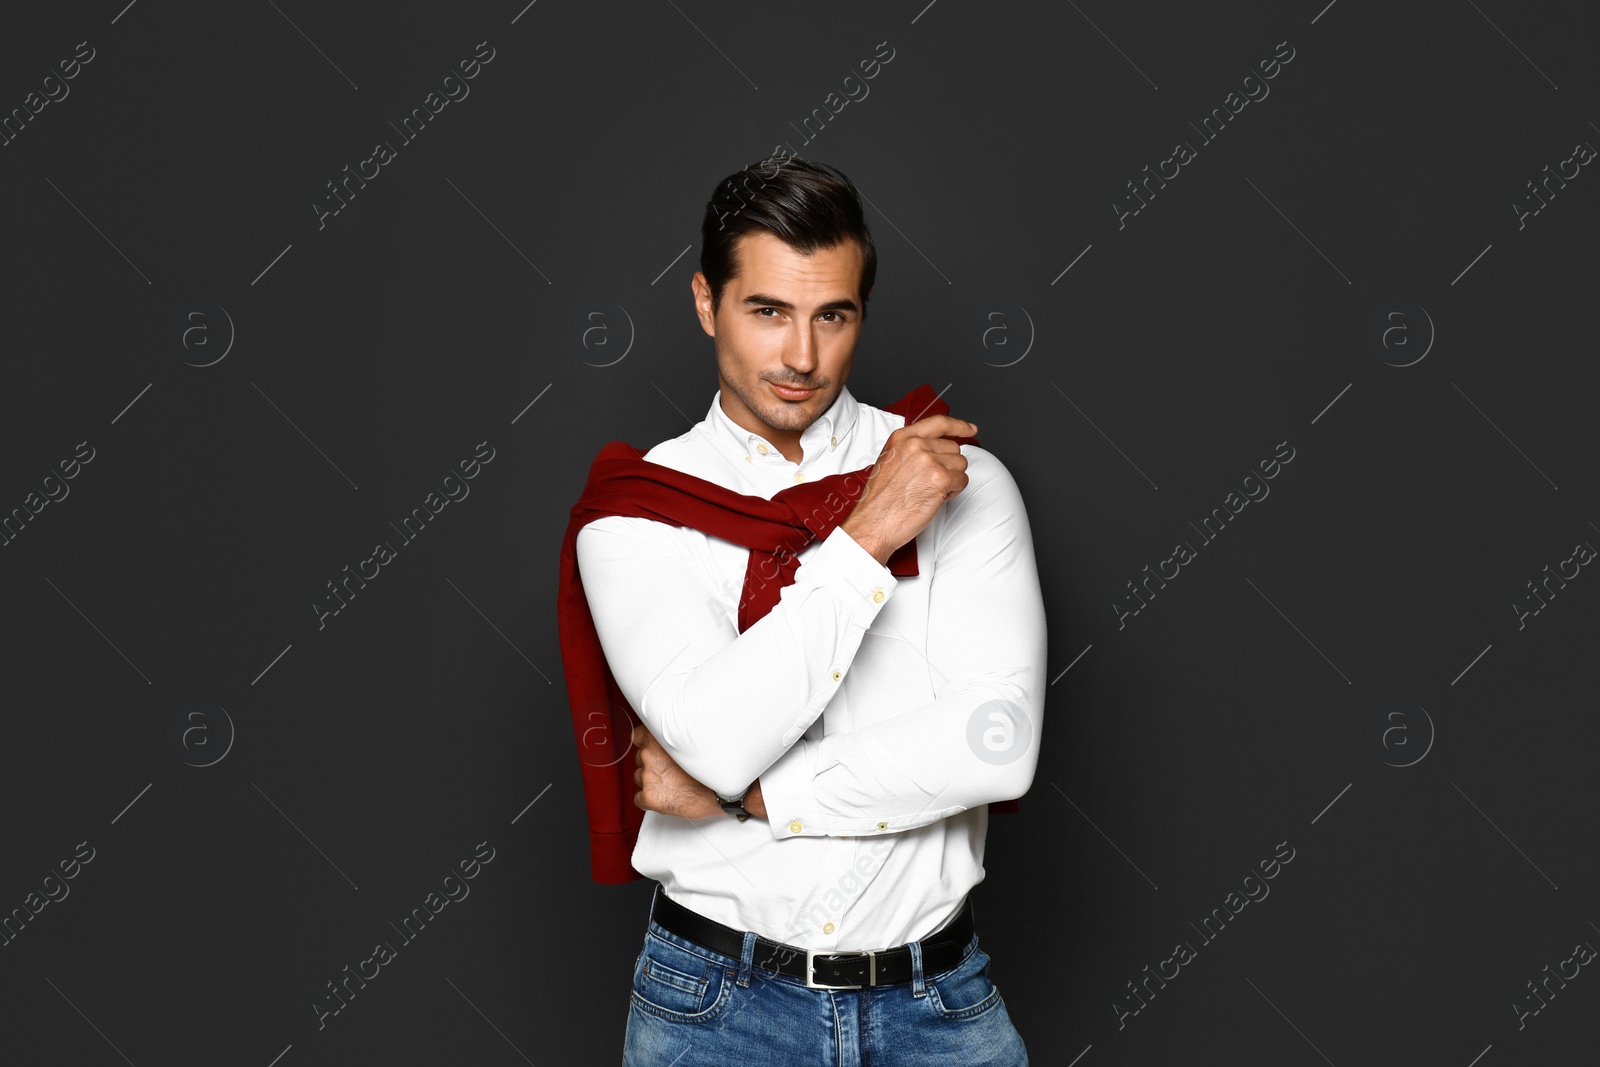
pixel 841 559
pixel 796 807
pixel 787 793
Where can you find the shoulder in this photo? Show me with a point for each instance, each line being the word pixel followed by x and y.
pixel 989 507
pixel 681 452
pixel 987 473
pixel 621 535
pixel 983 465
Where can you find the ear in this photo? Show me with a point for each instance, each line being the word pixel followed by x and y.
pixel 702 303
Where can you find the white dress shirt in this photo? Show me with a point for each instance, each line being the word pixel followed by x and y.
pixel 862 701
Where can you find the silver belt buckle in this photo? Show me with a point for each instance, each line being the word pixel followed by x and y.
pixel 872 967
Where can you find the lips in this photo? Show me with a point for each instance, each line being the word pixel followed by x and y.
pixel 787 393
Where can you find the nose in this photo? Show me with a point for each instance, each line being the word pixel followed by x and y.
pixel 800 354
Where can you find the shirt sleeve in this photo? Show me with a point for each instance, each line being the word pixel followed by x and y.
pixel 724 705
pixel 978 741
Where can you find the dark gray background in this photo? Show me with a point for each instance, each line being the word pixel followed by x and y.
pixel 368 357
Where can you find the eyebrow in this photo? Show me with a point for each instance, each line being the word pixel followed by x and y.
pixel 761 300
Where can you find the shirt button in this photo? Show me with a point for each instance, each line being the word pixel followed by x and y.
pixel 883 826
pixel 834 441
pixel 877 596
pixel 799 476
pixel 837 675
pixel 794 827
pixel 762 449
pixel 827 928
pixel 747 459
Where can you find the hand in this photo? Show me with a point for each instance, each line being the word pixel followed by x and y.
pixel 664 786
pixel 668 789
pixel 917 471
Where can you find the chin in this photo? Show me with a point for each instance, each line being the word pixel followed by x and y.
pixel 788 418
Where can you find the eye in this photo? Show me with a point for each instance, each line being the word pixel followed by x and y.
pixel 760 310
pixel 836 316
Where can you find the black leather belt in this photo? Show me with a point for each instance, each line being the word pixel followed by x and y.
pixel 941 951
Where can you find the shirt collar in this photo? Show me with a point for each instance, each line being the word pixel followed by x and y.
pixel 829 433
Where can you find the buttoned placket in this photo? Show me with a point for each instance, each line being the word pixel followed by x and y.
pixel 760 449
pixel 833 426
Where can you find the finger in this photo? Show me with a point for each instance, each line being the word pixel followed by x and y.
pixel 951 461
pixel 939 425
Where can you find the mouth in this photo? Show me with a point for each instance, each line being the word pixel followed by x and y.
pixel 786 393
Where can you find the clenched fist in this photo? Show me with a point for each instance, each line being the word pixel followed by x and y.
pixel 916 472
pixel 667 788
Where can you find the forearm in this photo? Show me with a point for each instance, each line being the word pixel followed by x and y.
pixel 971 747
pixel 726 705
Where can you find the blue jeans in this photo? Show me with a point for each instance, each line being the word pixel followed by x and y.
pixel 692 1007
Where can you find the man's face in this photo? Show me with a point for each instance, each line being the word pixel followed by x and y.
pixel 785 333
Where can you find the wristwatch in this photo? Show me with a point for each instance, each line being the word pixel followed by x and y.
pixel 735 807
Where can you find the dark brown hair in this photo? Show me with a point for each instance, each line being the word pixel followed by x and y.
pixel 805 204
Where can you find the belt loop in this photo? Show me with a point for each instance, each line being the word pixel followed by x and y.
pixel 746 957
pixel 918 989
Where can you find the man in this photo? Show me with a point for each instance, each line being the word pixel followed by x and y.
pixel 815 783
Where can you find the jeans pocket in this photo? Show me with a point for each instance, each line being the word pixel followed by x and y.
pixel 965 991
pixel 679 985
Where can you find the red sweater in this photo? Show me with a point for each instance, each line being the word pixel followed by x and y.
pixel 622 482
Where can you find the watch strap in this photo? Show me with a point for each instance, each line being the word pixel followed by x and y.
pixel 735 806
